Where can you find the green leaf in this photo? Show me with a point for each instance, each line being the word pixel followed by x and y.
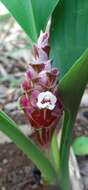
pixel 80 146
pixel 8 126
pixel 32 15
pixel 74 82
pixel 71 88
pixel 69 33
pixel 69 39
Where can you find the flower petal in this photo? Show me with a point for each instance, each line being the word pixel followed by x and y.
pixel 31 73
pixel 34 97
pixel 47 65
pixel 40 55
pixel 26 85
pixel 24 101
pixel 55 72
pixel 38 67
pixel 46 100
pixel 43 40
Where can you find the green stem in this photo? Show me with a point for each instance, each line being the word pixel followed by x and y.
pixel 66 140
pixel 9 127
pixel 55 153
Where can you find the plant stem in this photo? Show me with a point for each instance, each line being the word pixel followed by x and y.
pixel 65 150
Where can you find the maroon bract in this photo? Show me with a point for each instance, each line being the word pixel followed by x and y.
pixel 41 102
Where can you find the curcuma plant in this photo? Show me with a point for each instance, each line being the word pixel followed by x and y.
pixel 46 102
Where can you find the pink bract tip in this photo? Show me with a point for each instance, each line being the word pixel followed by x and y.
pixel 26 85
pixel 30 73
pixel 24 101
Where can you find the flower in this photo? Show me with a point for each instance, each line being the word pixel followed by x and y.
pixel 41 101
pixel 46 100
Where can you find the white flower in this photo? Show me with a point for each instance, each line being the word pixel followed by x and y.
pixel 46 100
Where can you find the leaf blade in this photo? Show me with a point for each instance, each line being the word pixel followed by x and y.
pixel 31 15
pixel 71 89
pixel 75 80
pixel 69 36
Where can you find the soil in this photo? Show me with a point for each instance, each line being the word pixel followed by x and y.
pixel 17 172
